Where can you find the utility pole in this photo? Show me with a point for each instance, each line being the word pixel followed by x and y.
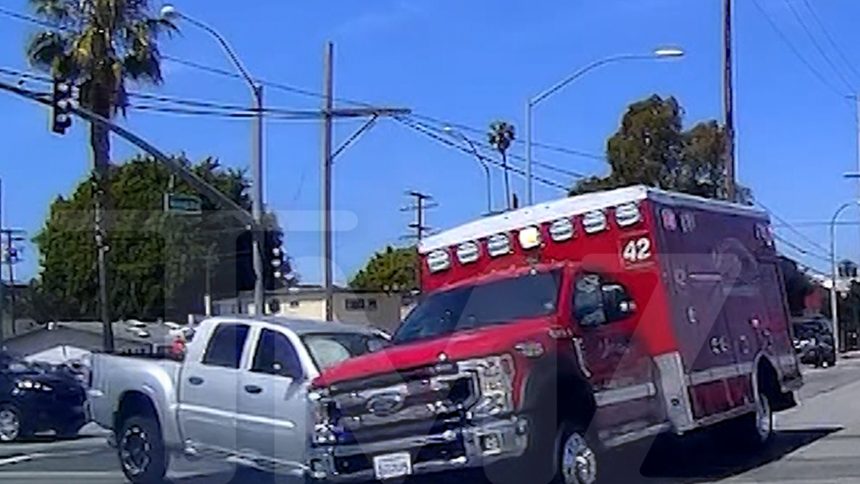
pixel 728 102
pixel 327 134
pixel 422 203
pixel 328 114
pixel 257 232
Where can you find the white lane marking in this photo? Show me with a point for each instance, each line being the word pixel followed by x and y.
pixel 59 475
pixel 19 458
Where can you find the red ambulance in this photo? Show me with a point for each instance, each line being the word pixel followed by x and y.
pixel 547 334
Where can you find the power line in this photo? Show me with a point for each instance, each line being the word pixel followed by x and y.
pixel 311 93
pixel 801 250
pixel 486 145
pixel 444 140
pixel 791 227
pixel 818 46
pixel 830 38
pixel 472 129
pixel 795 51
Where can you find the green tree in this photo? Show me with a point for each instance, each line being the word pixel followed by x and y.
pixel 158 263
pixel 393 269
pixel 652 148
pixel 500 137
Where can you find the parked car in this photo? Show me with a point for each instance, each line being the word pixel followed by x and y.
pixel 241 391
pixel 813 342
pixel 36 398
pixel 549 333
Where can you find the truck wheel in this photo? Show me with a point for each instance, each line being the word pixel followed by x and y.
pixel 755 429
pixel 576 462
pixel 141 451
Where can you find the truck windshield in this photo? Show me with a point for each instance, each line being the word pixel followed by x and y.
pixel 329 349
pixel 474 306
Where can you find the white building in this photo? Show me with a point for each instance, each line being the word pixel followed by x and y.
pixel 378 309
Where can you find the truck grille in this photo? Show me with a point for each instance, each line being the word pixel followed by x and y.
pixel 421 404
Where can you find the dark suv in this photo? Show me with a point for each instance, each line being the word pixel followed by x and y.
pixel 813 341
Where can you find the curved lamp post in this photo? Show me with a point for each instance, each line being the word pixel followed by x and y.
pixel 661 53
pixel 834 303
pixel 171 12
pixel 480 159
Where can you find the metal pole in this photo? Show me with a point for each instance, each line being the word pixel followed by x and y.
pixel 529 199
pixel 728 102
pixel 480 159
pixel 834 304
pixel 326 180
pixel 11 266
pixel 2 295
pixel 257 200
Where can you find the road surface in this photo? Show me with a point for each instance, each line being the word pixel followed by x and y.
pixel 818 442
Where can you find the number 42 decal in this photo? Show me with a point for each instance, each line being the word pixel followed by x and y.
pixel 636 250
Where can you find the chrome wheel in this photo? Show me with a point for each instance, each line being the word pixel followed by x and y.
pixel 134 451
pixel 10 425
pixel 578 462
pixel 763 418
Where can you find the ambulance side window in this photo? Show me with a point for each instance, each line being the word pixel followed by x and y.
pixel 597 302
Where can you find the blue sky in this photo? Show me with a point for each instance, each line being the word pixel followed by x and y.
pixel 470 63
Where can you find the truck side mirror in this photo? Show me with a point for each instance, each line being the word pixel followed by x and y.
pixel 617 303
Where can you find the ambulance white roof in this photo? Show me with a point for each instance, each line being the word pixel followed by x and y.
pixel 570 206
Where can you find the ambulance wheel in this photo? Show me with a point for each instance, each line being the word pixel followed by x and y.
pixel 756 429
pixel 575 460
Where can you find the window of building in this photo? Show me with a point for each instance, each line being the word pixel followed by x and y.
pixel 354 304
pixel 371 304
pixel 294 304
pixel 225 347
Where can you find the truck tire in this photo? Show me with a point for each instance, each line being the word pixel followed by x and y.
pixel 141 450
pixel 575 460
pixel 754 430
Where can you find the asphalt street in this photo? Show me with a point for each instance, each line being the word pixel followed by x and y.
pixel 817 442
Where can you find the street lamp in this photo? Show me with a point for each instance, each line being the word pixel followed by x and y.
pixel 834 307
pixel 171 12
pixel 660 53
pixel 457 134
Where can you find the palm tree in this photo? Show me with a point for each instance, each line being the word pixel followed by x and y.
pixel 98 45
pixel 501 136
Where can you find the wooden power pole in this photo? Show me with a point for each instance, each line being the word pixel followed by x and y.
pixel 728 102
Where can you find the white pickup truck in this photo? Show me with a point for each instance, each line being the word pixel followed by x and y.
pixel 241 392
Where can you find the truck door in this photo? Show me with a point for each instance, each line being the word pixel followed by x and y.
pixel 273 402
pixel 208 390
pixel 618 367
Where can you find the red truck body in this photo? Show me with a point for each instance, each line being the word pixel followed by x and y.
pixel 668 310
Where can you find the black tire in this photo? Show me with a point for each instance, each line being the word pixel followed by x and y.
pixel 22 430
pixel 754 431
pixel 140 448
pixel 575 461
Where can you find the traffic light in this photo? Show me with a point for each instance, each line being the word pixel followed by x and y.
pixel 277 263
pixel 61 104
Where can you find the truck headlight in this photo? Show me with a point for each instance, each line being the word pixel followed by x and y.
pixel 323 430
pixel 495 383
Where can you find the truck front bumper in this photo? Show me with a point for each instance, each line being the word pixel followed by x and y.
pixel 472 446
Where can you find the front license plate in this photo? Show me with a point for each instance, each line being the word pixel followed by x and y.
pixel 391 466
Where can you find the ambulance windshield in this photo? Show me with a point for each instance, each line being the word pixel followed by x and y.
pixel 468 307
